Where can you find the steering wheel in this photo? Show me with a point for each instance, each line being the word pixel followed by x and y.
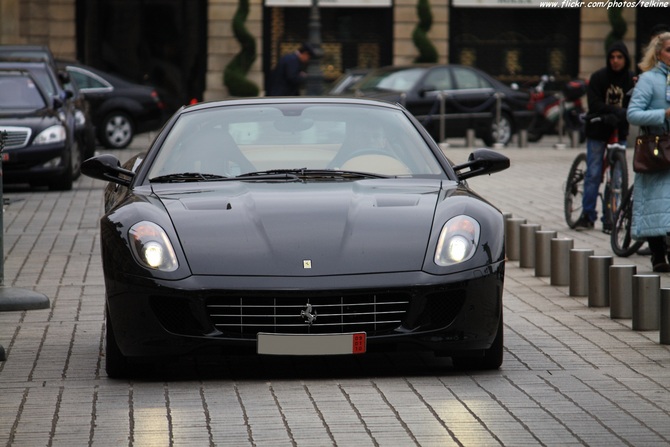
pixel 341 159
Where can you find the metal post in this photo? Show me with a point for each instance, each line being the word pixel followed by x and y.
pixel 527 245
pixel 579 268
pixel 498 97
pixel 543 252
pixel 664 336
pixel 646 302
pixel 621 290
pixel 440 97
pixel 314 84
pixel 470 137
pixel 599 292
pixel 560 261
pixel 512 235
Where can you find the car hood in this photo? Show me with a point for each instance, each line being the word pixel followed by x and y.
pixel 303 229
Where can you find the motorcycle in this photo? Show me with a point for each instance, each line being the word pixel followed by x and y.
pixel 548 106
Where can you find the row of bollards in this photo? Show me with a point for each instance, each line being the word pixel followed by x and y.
pixel 628 294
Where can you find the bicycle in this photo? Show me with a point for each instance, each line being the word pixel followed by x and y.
pixel 615 176
pixel 623 244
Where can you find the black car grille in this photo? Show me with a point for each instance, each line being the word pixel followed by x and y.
pixel 243 315
pixel 374 313
pixel 16 137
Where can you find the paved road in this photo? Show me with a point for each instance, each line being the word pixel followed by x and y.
pixel 571 374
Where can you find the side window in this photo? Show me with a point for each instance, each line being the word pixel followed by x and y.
pixel 467 79
pixel 438 79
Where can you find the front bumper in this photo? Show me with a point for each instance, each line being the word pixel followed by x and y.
pixel 416 311
pixel 27 164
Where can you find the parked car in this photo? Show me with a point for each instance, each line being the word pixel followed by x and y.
pixel 120 109
pixel 40 146
pixel 57 82
pixel 299 226
pixel 470 99
pixel 345 84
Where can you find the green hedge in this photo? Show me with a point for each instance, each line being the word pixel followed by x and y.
pixel 235 74
pixel 427 52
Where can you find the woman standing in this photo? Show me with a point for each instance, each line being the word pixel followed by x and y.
pixel 649 108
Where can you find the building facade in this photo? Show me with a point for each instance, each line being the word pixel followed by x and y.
pixel 184 46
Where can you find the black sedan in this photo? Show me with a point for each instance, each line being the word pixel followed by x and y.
pixel 120 109
pixel 299 226
pixel 40 146
pixel 470 98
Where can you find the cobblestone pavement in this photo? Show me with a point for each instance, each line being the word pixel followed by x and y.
pixel 571 374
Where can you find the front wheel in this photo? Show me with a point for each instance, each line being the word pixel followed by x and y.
pixel 622 243
pixel 492 358
pixel 500 133
pixel 617 185
pixel 574 190
pixel 116 130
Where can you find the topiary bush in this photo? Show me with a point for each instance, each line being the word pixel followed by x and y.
pixel 427 52
pixel 235 73
pixel 619 26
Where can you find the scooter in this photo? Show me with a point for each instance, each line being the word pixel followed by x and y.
pixel 548 106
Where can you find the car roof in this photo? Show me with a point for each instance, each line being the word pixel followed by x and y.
pixel 296 100
pixel 29 51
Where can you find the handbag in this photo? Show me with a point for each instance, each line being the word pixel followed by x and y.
pixel 652 153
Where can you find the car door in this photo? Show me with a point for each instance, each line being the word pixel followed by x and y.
pixel 473 99
pixel 425 103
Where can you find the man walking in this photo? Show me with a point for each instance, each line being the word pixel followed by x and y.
pixel 289 74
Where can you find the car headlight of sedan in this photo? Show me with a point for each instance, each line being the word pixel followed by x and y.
pixel 53 134
pixel 458 241
pixel 151 247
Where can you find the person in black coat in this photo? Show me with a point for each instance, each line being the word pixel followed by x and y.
pixel 289 73
pixel 607 101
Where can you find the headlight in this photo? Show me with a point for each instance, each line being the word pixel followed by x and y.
pixel 458 241
pixel 151 247
pixel 53 134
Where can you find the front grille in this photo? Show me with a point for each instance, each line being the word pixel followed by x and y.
pixel 16 137
pixel 245 316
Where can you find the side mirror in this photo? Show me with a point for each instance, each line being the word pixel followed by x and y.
pixel 108 168
pixel 482 161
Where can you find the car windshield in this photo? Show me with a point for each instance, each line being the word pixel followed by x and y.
pixel 19 92
pixel 397 81
pixel 291 141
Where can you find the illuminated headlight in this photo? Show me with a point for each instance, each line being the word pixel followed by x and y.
pixel 53 134
pixel 458 241
pixel 151 247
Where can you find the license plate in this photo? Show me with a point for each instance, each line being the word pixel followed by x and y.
pixel 316 344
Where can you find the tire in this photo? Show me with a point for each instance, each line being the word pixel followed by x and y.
pixel 72 172
pixel 493 357
pixel 117 365
pixel 116 130
pixel 501 133
pixel 574 190
pixel 617 185
pixel 622 243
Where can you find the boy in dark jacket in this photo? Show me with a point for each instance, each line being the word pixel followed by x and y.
pixel 607 101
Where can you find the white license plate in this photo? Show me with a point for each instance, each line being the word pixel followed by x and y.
pixel 315 344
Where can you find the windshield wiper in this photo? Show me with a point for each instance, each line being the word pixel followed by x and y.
pixel 304 173
pixel 187 177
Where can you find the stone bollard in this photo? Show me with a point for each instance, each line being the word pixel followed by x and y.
pixel 621 290
pixel 599 285
pixel 523 138
pixel 543 252
pixel 527 245
pixel 646 302
pixel 512 236
pixel 560 261
pixel 470 138
pixel 579 267
pixel 664 336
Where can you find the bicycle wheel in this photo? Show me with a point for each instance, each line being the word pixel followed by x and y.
pixel 574 190
pixel 617 185
pixel 622 243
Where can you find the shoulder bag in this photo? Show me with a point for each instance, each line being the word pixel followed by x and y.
pixel 652 153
